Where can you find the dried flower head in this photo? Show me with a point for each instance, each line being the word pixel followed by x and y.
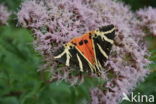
pixel 56 22
pixel 4 14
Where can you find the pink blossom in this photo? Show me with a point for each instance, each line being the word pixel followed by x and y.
pixel 54 22
pixel 147 18
pixel 4 14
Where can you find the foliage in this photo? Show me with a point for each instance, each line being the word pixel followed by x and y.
pixel 136 4
pixel 11 4
pixel 19 81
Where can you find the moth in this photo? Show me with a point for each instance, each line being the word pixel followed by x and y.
pixel 88 52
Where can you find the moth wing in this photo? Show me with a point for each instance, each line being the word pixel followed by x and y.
pixel 71 57
pixel 103 41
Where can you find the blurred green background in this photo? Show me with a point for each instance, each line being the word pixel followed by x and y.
pixel 20 83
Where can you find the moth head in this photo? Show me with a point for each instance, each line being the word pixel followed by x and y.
pixel 68 45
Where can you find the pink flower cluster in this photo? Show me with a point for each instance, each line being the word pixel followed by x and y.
pixel 4 14
pixel 147 18
pixel 55 22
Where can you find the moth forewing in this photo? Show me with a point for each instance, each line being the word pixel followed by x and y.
pixel 103 39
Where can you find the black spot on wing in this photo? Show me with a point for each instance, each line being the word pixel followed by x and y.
pixel 85 41
pixel 74 43
pixel 81 42
pixel 90 36
pixel 106 28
